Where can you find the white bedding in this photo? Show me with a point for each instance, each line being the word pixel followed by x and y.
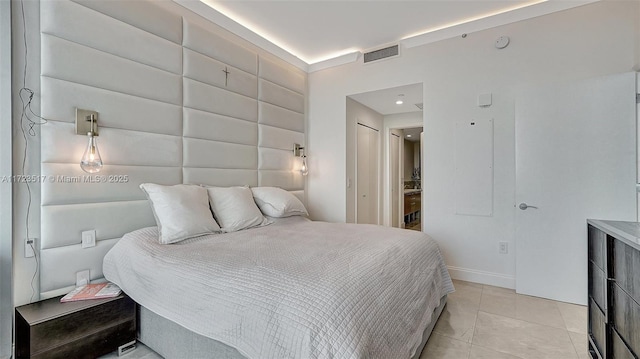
pixel 293 289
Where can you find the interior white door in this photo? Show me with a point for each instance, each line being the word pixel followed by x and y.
pixel 394 178
pixel 575 159
pixel 367 175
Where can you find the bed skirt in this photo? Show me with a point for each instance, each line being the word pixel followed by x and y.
pixel 171 340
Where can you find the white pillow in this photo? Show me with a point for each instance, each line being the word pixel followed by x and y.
pixel 234 208
pixel 276 202
pixel 181 211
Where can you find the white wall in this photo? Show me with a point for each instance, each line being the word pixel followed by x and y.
pixel 6 285
pixel 583 42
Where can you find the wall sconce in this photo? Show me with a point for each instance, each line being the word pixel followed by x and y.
pixel 91 161
pixel 298 151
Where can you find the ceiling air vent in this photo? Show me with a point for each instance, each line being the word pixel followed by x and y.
pixel 420 105
pixel 381 54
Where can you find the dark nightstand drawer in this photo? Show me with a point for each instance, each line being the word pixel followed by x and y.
pixel 50 329
pixel 626 317
pixel 597 328
pixel 626 266
pixel 620 349
pixel 597 247
pixel 598 286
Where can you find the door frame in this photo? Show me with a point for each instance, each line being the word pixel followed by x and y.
pixel 386 187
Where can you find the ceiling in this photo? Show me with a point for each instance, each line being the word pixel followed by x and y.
pixel 412 134
pixel 312 32
pixel 384 101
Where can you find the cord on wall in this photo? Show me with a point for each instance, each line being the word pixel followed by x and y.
pixel 26 98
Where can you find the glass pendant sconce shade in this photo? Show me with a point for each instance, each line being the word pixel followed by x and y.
pixel 304 169
pixel 91 161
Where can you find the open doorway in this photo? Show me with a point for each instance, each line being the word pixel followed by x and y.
pixel 377 172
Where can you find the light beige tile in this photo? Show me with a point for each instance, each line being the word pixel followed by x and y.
pixel 498 301
pixel 467 295
pixel 478 352
pixel 538 310
pixel 441 347
pixel 574 316
pixel 521 338
pixel 580 342
pixel 456 322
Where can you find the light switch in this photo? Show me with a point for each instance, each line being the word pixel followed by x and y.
pixel 89 238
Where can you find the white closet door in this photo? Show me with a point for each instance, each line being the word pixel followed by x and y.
pixel 367 177
pixel 394 180
pixel 575 159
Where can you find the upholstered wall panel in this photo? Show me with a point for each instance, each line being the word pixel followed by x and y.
pixel 66 261
pixel 208 126
pixel 118 147
pixel 144 15
pixel 178 102
pixel 280 73
pixel 72 185
pixel 69 61
pixel 223 155
pixel 201 96
pixel 76 23
pixel 286 179
pixel 215 46
pixel 62 225
pixel 220 177
pixel 219 74
pixel 272 159
pixel 116 110
pixel 272 115
pixel 274 137
pixel 280 96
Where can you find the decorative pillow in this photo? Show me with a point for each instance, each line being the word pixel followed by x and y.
pixel 234 208
pixel 181 211
pixel 276 202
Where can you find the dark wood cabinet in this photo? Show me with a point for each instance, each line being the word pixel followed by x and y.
pixel 83 329
pixel 614 289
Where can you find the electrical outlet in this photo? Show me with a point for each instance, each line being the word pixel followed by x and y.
pixel 503 247
pixel 83 278
pixel 89 238
pixel 29 246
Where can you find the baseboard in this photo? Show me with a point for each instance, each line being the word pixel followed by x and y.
pixel 482 277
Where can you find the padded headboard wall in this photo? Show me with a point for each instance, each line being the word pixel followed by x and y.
pixel 168 113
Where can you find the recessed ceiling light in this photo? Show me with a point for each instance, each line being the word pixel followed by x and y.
pixel 408 135
pixel 399 100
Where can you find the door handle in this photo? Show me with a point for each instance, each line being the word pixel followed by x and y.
pixel 523 206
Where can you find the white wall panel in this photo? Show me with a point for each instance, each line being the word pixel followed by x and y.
pixel 280 96
pixel 77 23
pixel 272 159
pixel 214 154
pixel 277 116
pixel 220 177
pixel 289 180
pixel 213 45
pixel 66 183
pixel 67 60
pixel 60 98
pixel 208 126
pixel 60 144
pixel 62 225
pixel 212 99
pixel 282 74
pixel 279 138
pixel 70 259
pixel 205 69
pixel 142 14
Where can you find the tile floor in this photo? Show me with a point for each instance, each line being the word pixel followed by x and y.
pixel 482 321
pixel 485 322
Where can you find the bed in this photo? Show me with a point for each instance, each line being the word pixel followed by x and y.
pixel 292 289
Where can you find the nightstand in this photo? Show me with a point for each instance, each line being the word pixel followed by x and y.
pixel 83 329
